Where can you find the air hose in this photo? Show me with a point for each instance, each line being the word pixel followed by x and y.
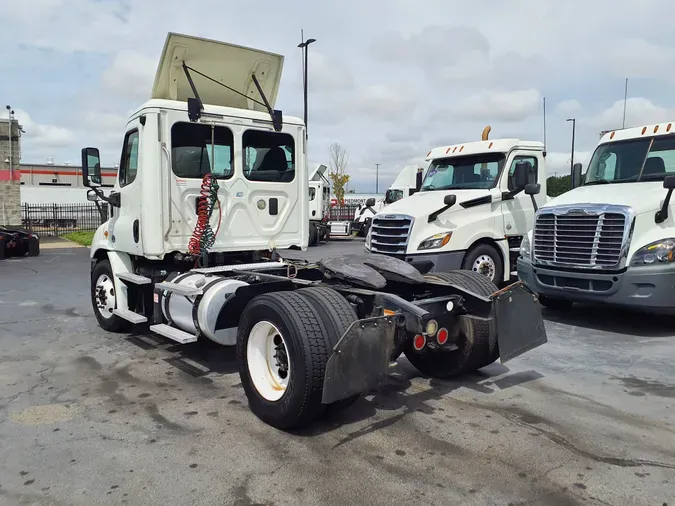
pixel 203 236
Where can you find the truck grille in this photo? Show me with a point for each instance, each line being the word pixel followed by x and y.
pixel 580 238
pixel 389 234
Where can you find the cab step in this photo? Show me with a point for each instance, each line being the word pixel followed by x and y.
pixel 187 291
pixel 130 316
pixel 173 333
pixel 136 279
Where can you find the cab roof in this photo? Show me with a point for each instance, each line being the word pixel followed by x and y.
pixel 478 147
pixel 638 131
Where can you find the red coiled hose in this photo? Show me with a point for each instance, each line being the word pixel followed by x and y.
pixel 203 236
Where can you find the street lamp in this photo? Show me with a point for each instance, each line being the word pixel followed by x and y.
pixel 10 113
pixel 304 46
pixel 574 127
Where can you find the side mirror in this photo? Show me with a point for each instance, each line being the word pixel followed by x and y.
pixel 662 214
pixel 450 200
pixel 576 175
pixel 532 189
pixel 370 202
pixel 669 183
pixel 520 175
pixel 91 167
pixel 92 196
pixel 418 180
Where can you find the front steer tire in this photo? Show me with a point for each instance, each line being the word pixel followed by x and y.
pixel 113 323
pixel 474 339
pixel 304 335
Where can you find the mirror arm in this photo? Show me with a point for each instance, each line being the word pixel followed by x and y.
pixel 436 214
pixel 662 214
pixel 534 203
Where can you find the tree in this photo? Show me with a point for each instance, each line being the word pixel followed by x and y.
pixel 338 160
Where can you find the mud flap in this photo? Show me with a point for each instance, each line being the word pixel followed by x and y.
pixel 519 322
pixel 360 359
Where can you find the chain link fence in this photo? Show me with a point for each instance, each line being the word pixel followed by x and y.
pixel 58 219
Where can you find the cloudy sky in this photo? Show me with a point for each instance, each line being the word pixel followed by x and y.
pixel 388 79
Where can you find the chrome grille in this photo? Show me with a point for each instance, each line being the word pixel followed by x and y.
pixel 580 238
pixel 389 234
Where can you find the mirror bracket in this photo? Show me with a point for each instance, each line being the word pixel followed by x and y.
pixel 449 201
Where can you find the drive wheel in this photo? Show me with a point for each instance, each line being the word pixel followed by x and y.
pixel 337 314
pixel 282 350
pixel 473 342
pixel 104 300
pixel 313 235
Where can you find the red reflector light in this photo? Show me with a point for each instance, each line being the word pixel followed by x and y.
pixel 442 336
pixel 419 342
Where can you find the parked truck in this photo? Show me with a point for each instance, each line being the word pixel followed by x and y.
pixel 406 183
pixel 212 190
pixel 612 238
pixel 319 206
pixel 475 204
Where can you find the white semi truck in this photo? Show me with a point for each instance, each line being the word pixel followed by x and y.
pixel 612 238
pixel 475 205
pixel 319 206
pixel 212 189
pixel 406 183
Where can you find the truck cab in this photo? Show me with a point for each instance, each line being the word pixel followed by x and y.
pixel 319 206
pixel 611 239
pixel 471 211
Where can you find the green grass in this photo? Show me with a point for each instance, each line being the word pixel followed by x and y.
pixel 83 238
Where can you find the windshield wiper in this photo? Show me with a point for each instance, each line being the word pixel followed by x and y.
pixel 611 181
pixel 597 181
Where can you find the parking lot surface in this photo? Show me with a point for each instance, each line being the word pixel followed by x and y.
pixel 88 417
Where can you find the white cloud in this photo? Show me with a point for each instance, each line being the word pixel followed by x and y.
pixel 382 102
pixel 567 107
pixel 41 136
pixel 639 111
pixel 130 75
pixel 492 105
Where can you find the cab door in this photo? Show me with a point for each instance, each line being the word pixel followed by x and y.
pixel 124 225
pixel 518 212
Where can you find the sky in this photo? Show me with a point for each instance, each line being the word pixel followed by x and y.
pixel 388 80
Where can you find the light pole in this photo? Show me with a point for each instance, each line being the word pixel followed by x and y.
pixel 574 127
pixel 10 113
pixel 377 177
pixel 304 46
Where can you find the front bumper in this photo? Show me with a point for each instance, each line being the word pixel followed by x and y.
pixel 649 287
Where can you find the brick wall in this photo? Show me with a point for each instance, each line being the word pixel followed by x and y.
pixel 10 191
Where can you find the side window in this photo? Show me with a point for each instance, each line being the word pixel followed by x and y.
pixel 268 156
pixel 129 163
pixel 312 193
pixel 197 149
pixel 534 169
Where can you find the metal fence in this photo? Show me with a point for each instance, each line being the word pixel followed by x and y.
pixel 343 213
pixel 58 219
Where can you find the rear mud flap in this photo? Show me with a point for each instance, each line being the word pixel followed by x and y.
pixel 360 360
pixel 519 322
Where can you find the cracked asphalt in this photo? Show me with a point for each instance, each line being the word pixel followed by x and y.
pixel 88 417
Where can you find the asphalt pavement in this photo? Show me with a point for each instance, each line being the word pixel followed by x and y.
pixel 88 417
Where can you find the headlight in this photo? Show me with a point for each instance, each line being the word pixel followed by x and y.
pixel 435 241
pixel 525 247
pixel 659 252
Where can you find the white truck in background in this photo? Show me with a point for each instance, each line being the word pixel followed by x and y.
pixel 476 203
pixel 212 188
pixel 406 183
pixel 319 206
pixel 612 238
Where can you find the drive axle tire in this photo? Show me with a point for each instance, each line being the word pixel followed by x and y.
pixel 337 314
pixel 474 339
pixel 282 351
pixel 103 299
pixel 313 235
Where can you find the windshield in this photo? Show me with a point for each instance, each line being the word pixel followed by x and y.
pixel 393 196
pixel 646 159
pixel 464 172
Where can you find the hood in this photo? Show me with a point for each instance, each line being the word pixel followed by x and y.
pixel 642 197
pixel 317 173
pixel 422 204
pixel 225 63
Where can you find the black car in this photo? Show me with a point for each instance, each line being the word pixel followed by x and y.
pixel 17 242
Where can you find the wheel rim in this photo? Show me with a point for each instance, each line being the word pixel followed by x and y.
pixel 104 296
pixel 267 358
pixel 485 265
